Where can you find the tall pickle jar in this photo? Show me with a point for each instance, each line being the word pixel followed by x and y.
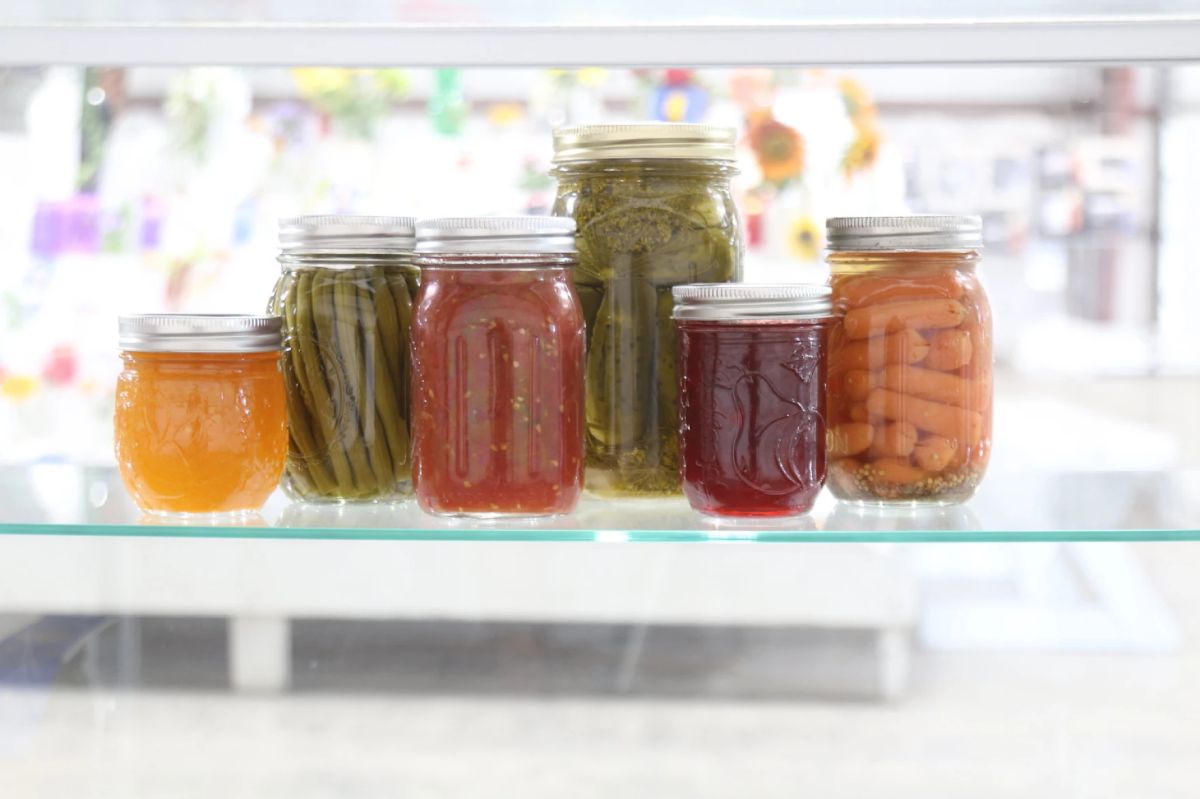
pixel 344 297
pixel 910 360
pixel 653 209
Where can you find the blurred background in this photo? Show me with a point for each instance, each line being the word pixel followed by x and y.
pixel 971 670
pixel 158 189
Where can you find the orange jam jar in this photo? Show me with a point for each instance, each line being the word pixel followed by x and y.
pixel 201 413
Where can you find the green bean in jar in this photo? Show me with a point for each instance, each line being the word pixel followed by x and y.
pixel 344 298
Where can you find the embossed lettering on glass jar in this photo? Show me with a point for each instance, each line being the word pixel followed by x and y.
pixel 910 360
pixel 752 396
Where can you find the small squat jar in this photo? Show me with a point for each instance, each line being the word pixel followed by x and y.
pixel 752 396
pixel 910 385
pixel 201 416
pixel 498 359
pixel 344 296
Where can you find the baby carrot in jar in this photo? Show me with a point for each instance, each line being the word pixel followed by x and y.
pixel 201 413
pixel 910 389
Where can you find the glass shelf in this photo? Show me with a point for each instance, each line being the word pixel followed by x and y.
pixel 70 500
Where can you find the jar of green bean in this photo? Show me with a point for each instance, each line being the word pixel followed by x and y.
pixel 344 295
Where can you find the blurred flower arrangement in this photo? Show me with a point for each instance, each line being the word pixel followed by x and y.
pixel 352 99
pixel 673 95
pixel 864 150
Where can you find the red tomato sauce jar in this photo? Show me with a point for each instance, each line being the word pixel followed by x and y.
pixel 752 372
pixel 498 361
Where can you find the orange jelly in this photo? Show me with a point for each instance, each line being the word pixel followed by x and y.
pixel 200 432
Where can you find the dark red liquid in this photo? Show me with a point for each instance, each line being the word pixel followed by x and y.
pixel 752 413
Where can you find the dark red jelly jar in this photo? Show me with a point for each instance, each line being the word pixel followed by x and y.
pixel 752 396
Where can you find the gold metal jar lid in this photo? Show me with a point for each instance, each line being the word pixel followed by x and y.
pixel 644 140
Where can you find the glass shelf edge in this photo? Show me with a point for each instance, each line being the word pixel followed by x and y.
pixel 604 536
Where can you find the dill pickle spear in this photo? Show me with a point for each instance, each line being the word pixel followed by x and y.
pixel 620 367
pixel 590 298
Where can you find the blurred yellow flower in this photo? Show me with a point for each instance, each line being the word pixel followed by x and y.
pixel 319 80
pixel 863 152
pixel 18 387
pixel 858 101
pixel 504 114
pixel 804 238
pixel 592 76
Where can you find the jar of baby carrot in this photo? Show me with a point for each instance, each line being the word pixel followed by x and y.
pixel 910 359
pixel 201 415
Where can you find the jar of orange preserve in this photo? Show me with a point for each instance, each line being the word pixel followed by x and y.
pixel 201 414
pixel 910 359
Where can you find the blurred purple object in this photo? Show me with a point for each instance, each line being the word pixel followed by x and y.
pixel 83 224
pixel 152 217
pixel 48 226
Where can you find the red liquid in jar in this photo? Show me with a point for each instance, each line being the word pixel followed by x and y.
pixel 498 392
pixel 752 413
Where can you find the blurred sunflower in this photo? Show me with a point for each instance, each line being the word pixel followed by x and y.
pixel 858 102
pixel 778 148
pixel 863 152
pixel 804 238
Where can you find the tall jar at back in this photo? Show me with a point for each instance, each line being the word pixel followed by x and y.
pixel 344 297
pixel 910 360
pixel 653 209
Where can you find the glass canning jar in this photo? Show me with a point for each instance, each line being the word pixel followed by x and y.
pixel 498 345
pixel 200 422
pixel 344 297
pixel 752 396
pixel 910 359
pixel 653 210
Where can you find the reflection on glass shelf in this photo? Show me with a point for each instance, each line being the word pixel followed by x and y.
pixel 1069 506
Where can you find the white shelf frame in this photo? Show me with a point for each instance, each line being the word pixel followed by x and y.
pixel 1117 39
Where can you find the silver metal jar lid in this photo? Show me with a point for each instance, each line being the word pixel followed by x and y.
pixel 334 233
pixel 914 232
pixel 496 234
pixel 199 333
pixel 644 140
pixel 734 301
